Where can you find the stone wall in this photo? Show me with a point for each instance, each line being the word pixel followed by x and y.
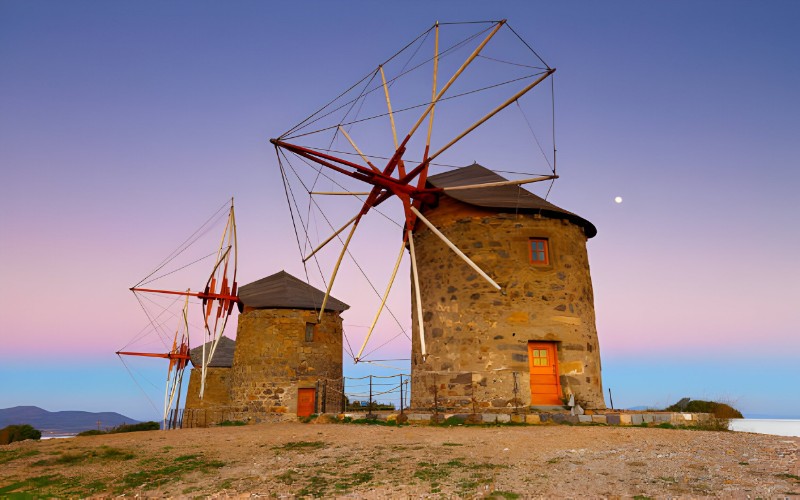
pixel 216 397
pixel 273 360
pixel 477 338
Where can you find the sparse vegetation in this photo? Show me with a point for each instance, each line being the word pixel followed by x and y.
pixel 141 426
pixel 9 455
pixel 301 446
pixel 73 458
pixel 715 408
pixel 13 433
pixel 169 472
pixel 232 423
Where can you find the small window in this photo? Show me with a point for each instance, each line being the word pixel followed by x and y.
pixel 539 253
pixel 540 357
pixel 310 332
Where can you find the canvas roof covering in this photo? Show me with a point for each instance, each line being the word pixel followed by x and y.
pixel 508 197
pixel 284 291
pixel 223 356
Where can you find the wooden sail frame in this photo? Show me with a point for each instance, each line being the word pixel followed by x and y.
pixel 394 180
pixel 218 299
pixel 179 359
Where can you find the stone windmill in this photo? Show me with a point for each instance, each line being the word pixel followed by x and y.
pixel 503 312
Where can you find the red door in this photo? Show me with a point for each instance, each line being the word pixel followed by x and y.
pixel 545 386
pixel 305 402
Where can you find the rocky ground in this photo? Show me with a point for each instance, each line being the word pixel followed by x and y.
pixel 370 461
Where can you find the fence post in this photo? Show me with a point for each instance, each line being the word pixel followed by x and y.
pixel 324 395
pixel 369 414
pixel 435 395
pixel 344 398
pixel 401 394
pixel 316 397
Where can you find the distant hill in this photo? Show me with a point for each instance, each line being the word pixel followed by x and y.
pixel 61 422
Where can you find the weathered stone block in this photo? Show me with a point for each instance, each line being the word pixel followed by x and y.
pixel 613 419
pixel 532 419
pixel 599 419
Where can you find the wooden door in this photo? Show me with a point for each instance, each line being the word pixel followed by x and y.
pixel 305 402
pixel 543 363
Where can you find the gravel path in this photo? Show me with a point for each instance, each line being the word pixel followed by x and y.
pixel 368 461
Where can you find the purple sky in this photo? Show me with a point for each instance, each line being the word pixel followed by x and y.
pixel 123 125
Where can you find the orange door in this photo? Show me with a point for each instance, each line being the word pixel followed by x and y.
pixel 545 386
pixel 305 402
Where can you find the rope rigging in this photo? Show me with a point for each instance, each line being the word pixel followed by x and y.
pixel 351 116
pixel 289 191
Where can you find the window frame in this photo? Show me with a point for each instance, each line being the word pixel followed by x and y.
pixel 310 331
pixel 546 249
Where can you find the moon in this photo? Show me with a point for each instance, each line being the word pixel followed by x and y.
pixel 618 199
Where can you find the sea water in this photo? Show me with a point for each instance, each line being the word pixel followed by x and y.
pixel 774 426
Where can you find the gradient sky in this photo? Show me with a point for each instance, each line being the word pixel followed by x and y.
pixel 123 125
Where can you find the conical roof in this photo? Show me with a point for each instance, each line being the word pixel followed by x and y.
pixel 223 355
pixel 284 291
pixel 509 196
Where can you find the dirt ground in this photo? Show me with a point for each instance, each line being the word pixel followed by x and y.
pixel 370 461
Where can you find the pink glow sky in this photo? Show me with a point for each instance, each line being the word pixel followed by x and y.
pixel 124 125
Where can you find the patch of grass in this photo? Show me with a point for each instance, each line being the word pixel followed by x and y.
pixel 786 475
pixel 352 480
pixel 427 471
pixel 510 495
pixel 375 421
pixel 554 460
pixel 637 464
pixel 75 458
pixel 665 425
pixel 152 478
pixel 641 497
pixel 744 463
pixel 487 465
pixel 70 458
pixel 95 486
pixel 670 480
pixel 452 444
pixel 316 487
pixel 11 455
pixel 288 477
pixel 301 445
pixel 32 484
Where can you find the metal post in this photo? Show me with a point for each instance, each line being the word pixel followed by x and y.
pixel 610 399
pixel 369 414
pixel 435 396
pixel 344 398
pixel 316 397
pixel 401 394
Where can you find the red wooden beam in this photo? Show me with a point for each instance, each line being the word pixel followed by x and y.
pixel 169 355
